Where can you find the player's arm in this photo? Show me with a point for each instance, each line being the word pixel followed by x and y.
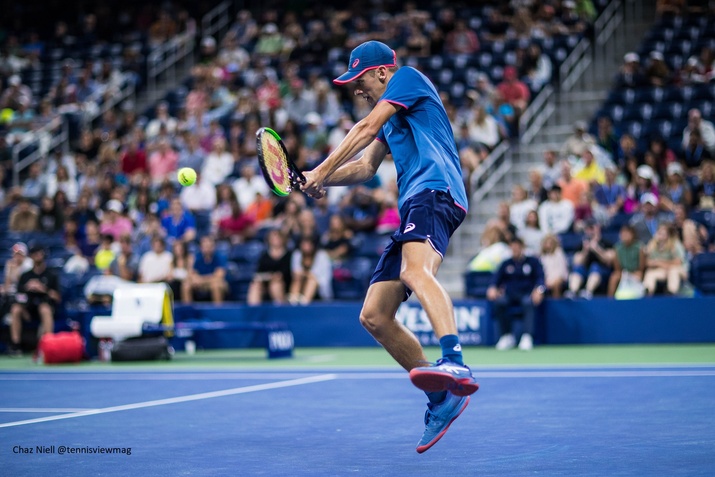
pixel 359 137
pixel 360 170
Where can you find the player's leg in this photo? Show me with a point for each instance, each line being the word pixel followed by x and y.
pixel 378 318
pixel 430 222
pixel 420 263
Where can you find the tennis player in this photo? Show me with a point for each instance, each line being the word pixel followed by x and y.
pixel 408 121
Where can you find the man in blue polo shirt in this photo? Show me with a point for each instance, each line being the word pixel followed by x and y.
pixel 408 121
pixel 518 282
pixel 207 273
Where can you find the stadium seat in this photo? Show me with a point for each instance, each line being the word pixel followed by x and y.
pixel 248 252
pixel 351 278
pixel 702 273
pixel 571 242
pixel 371 245
pixel 477 283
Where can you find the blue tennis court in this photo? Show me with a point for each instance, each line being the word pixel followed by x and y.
pixel 524 421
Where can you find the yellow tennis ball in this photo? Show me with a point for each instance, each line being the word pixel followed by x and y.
pixel 187 176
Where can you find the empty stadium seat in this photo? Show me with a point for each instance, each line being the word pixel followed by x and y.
pixel 351 278
pixel 702 273
pixel 477 283
pixel 371 245
pixel 571 242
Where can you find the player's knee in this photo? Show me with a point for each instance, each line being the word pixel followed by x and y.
pixel 372 320
pixel 410 277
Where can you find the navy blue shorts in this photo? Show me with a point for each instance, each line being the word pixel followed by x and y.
pixel 431 215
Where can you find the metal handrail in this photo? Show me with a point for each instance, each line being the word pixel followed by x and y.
pixel 215 22
pixel 59 137
pixel 165 57
pixel 575 64
pixel 607 22
pixel 535 115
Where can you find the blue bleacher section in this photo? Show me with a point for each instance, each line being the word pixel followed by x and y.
pixel 649 111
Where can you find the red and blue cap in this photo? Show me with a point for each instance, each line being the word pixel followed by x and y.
pixel 367 56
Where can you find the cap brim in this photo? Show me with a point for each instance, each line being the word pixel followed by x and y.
pixel 349 76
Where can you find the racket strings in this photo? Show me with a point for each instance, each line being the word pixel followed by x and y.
pixel 276 162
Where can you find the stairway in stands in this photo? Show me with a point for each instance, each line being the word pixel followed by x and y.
pixel 580 103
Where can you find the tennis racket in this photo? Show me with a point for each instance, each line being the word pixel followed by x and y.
pixel 280 173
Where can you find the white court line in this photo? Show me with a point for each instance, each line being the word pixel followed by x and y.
pixel 551 374
pixel 261 375
pixel 178 399
pixel 149 376
pixel 44 409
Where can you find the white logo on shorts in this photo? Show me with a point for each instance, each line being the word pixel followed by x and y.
pixel 409 227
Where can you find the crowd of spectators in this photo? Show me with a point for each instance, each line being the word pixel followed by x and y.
pixel 615 214
pixel 113 197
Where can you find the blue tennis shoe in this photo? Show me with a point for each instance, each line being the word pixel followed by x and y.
pixel 445 376
pixel 439 417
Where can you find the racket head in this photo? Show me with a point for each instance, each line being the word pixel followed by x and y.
pixel 274 162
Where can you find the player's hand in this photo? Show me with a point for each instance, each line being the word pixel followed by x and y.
pixel 313 186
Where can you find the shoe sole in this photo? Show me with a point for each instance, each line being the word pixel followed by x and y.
pixel 433 381
pixel 421 449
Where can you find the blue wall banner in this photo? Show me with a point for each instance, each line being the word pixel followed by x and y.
pixel 473 323
pixel 597 321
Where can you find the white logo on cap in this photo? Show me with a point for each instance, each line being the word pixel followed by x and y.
pixel 355 63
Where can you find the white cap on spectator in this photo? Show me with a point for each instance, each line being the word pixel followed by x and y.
pixel 580 125
pixel 693 61
pixel 645 171
pixel 208 42
pixel 270 28
pixel 675 168
pixel 569 4
pixel 115 205
pixel 313 118
pixel 20 248
pixel 14 80
pixel 631 57
pixel 649 198
pixel 657 55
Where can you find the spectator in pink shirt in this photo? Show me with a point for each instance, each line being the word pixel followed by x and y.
pixel 462 40
pixel 514 91
pixel 162 162
pixel 114 223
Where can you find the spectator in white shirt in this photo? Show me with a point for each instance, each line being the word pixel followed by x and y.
pixel 550 169
pixel 707 130
pixel 218 164
pixel 156 264
pixel 248 185
pixel 556 215
pixel 520 207
pixel 578 142
pixel 163 118
pixel 199 197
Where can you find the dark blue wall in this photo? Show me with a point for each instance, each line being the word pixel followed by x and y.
pixel 650 320
pixel 598 321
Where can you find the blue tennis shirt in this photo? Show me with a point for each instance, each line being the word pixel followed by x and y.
pixel 420 138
